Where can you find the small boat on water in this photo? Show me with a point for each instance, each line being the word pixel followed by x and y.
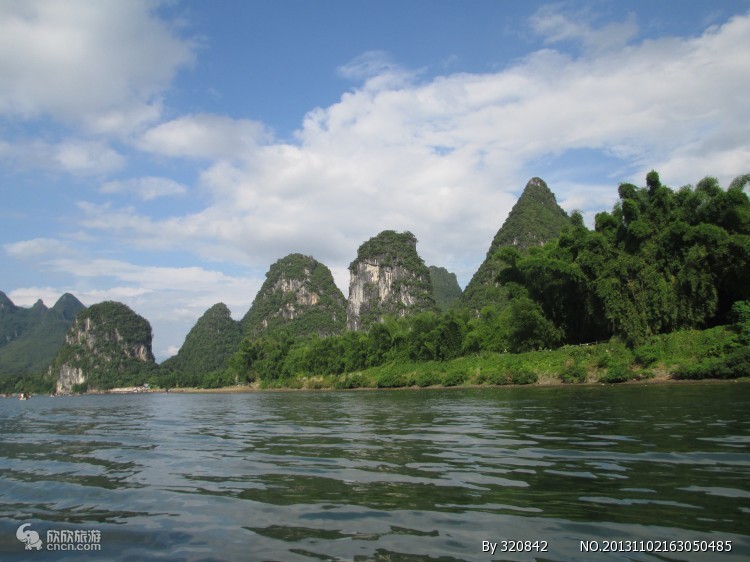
pixel 24 396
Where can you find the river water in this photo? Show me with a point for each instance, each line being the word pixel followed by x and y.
pixel 381 475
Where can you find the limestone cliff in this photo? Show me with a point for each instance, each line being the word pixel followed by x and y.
pixel 387 278
pixel 535 219
pixel 108 345
pixel 299 296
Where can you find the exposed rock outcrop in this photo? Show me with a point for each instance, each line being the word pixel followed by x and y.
pixel 108 345
pixel 300 296
pixel 387 278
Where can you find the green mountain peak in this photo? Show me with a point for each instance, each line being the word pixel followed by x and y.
pixel 535 219
pixel 388 278
pixel 208 345
pixel 300 296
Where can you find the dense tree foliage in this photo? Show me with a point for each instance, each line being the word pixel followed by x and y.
pixel 660 261
pixel 298 296
pixel 535 219
pixel 207 348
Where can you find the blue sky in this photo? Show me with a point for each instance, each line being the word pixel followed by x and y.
pixel 165 154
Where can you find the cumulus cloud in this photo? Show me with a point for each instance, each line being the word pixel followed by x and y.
pixel 146 188
pixel 87 157
pixel 205 136
pixel 447 157
pixel 102 64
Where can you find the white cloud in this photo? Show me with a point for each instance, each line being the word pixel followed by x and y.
pixel 146 188
pixel 205 136
pixel 86 62
pixel 556 27
pixel 87 157
pixel 36 247
pixel 446 158
pixel 71 155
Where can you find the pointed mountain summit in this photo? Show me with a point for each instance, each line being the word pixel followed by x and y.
pixel 388 278
pixel 208 345
pixel 535 219
pixel 299 296
pixel 67 306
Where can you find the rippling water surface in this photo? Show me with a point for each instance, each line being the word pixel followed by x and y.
pixel 386 475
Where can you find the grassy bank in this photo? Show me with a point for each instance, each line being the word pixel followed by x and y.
pixel 712 353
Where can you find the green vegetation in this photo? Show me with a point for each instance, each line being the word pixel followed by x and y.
pixel 445 288
pixel 298 296
pixel 207 349
pixel 609 362
pixel 661 262
pixel 659 288
pixel 111 345
pixel 29 340
pixel 409 291
pixel 535 219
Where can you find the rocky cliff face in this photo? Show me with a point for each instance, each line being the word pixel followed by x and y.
pixel 535 219
pixel 387 278
pixel 108 345
pixel 300 296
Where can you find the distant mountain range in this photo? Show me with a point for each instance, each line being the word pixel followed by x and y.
pixel 31 337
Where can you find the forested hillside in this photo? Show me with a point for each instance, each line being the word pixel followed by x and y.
pixel 535 219
pixel 662 260
pixel 207 348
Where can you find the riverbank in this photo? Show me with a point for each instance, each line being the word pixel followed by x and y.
pixel 664 359
pixel 254 388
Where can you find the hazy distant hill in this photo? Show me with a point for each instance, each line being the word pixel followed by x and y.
pixel 445 287
pixel 31 337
